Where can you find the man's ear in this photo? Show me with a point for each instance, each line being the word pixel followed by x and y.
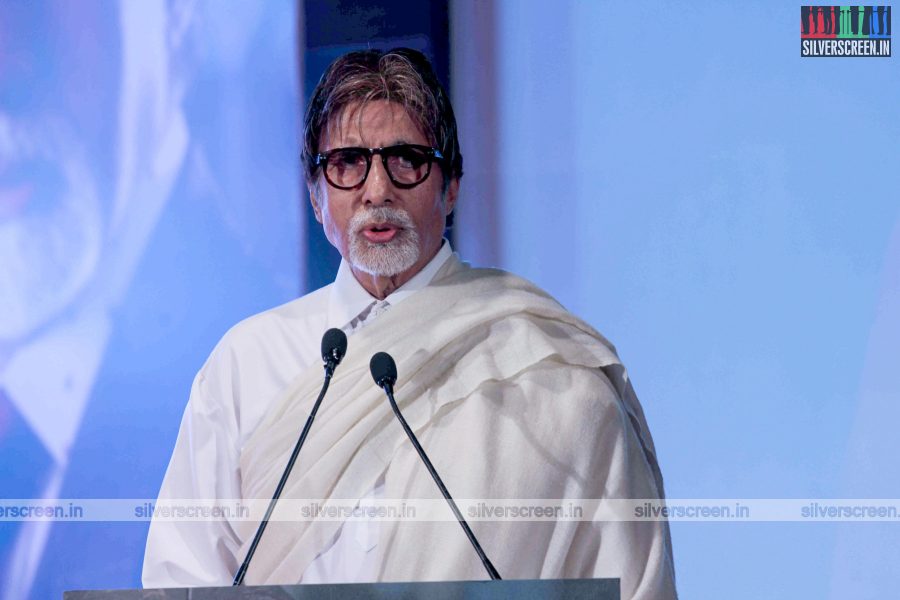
pixel 450 196
pixel 315 201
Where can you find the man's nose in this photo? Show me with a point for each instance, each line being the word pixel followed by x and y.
pixel 378 188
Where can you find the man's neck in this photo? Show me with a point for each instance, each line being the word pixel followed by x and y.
pixel 380 286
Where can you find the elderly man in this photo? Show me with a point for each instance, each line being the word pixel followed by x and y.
pixel 512 396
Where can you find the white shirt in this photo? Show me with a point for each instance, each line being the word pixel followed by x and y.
pixel 232 393
pixel 49 380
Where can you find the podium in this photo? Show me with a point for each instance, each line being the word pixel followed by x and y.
pixel 518 589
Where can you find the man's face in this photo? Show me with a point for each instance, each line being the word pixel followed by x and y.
pixel 378 228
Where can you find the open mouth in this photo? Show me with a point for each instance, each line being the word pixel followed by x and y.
pixel 380 233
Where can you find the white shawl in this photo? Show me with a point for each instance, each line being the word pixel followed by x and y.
pixel 512 397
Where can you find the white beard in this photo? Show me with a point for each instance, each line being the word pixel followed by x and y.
pixel 388 259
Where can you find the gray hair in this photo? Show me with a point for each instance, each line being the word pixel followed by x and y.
pixel 400 75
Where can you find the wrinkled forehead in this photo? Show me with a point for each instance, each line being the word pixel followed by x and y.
pixel 374 123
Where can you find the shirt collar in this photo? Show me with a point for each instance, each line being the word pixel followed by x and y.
pixel 52 401
pixel 348 297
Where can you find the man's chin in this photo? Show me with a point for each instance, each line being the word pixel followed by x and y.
pixel 384 260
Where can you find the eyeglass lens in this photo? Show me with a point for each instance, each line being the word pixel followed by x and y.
pixel 406 165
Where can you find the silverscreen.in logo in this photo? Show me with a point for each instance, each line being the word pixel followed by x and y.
pixel 845 31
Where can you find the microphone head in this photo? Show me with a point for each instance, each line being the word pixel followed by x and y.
pixel 334 346
pixel 383 368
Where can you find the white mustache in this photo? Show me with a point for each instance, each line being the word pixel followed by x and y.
pixel 382 215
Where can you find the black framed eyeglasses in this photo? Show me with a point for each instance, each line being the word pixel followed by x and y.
pixel 407 165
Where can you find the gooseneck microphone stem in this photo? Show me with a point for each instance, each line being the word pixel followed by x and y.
pixel 388 388
pixel 239 577
pixel 334 346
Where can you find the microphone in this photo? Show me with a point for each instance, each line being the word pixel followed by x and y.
pixel 334 347
pixel 384 372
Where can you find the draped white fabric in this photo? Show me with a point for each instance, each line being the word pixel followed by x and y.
pixel 512 397
pixel 232 393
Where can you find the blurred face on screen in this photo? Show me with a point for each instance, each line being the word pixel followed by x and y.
pixel 58 78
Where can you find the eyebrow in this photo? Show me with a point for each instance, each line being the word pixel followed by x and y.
pixel 396 142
